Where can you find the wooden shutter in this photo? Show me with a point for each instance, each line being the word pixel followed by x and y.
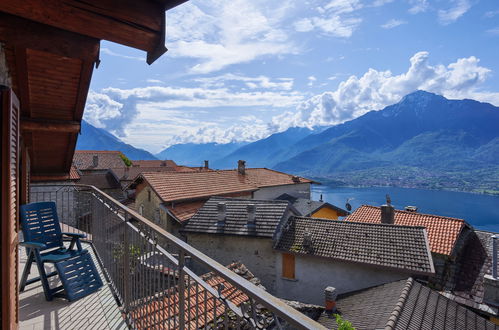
pixel 288 265
pixel 10 204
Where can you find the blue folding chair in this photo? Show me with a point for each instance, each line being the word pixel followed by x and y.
pixel 44 243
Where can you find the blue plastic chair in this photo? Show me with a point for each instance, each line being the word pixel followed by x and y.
pixel 44 243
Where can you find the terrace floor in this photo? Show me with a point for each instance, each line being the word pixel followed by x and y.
pixel 96 311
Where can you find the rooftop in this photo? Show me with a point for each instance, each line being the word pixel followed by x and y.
pixel 175 186
pixel 268 215
pixel 307 207
pixel 101 180
pixel 154 163
pixel 185 210
pixel 442 231
pixel 404 304
pixel 84 159
pixel 400 247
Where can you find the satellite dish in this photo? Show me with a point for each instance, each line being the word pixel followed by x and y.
pixel 348 206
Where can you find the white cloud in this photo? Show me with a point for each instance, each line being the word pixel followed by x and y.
pixel 450 15
pixel 494 31
pixel 262 82
pixel 223 33
pixel 338 18
pixel 418 6
pixel 154 81
pixel 376 89
pixel 393 23
pixel 109 52
pixel 491 13
pixel 311 80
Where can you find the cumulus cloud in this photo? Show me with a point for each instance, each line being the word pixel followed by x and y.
pixel 250 82
pixel 494 31
pixel 223 33
pixel 418 6
pixel 393 23
pixel 450 15
pixel 376 89
pixel 109 52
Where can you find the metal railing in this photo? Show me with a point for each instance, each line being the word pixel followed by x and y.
pixel 153 273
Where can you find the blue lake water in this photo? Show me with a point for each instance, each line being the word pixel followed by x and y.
pixel 481 211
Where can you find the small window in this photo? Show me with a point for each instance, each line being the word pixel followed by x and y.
pixel 148 195
pixel 156 216
pixel 288 265
pixel 141 209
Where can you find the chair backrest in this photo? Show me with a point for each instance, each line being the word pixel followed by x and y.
pixel 40 224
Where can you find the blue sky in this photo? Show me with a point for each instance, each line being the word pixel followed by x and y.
pixel 242 70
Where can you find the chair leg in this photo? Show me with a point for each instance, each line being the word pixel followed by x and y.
pixel 43 277
pixel 27 269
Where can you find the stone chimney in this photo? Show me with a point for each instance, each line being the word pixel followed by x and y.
pixel 387 214
pixel 251 209
pixel 308 243
pixel 95 161
pixel 206 164
pixel 241 167
pixel 330 295
pixel 221 213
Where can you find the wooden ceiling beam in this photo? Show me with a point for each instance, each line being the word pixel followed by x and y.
pixel 24 33
pixel 137 24
pixel 22 79
pixel 46 125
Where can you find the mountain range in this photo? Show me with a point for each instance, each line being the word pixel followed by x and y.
pixel 425 140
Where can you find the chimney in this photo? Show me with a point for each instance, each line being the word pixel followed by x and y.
pixel 387 214
pixel 308 243
pixel 95 160
pixel 163 163
pixel 330 295
pixel 241 167
pixel 206 164
pixel 251 208
pixel 296 179
pixel 221 213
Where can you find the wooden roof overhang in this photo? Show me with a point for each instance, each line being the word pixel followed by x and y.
pixel 51 49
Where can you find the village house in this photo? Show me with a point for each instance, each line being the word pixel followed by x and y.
pixel 314 209
pixel 172 198
pixel 232 229
pixel 400 305
pixel 463 256
pixel 314 253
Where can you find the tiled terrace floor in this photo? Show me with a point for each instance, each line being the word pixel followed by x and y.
pixel 96 311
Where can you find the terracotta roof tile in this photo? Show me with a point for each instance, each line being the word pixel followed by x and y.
pixel 185 211
pixel 400 247
pixel 154 163
pixel 84 159
pixel 442 231
pixel 176 186
pixel 73 173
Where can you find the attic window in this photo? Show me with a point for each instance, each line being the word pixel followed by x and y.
pixel 288 265
pixel 148 195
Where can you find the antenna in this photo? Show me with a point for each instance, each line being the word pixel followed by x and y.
pixel 320 199
pixel 388 200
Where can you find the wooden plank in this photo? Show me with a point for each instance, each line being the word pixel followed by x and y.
pixel 47 125
pixel 288 265
pixel 138 24
pixel 24 33
pixel 22 78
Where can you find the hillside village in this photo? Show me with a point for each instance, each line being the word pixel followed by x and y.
pixel 317 257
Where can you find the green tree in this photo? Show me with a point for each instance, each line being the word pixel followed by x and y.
pixel 125 159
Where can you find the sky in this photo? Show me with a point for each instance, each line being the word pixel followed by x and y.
pixel 241 70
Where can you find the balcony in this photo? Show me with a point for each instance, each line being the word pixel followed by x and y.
pixel 152 278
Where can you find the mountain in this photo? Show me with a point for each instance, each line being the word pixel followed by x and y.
pixel 93 138
pixel 195 154
pixel 424 131
pixel 262 153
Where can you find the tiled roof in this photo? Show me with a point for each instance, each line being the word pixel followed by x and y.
pixel 268 215
pixel 130 173
pixel 403 305
pixel 102 180
pixel 306 206
pixel 400 247
pixel 186 210
pixel 174 186
pixel 442 231
pixel 201 307
pixel 73 173
pixel 84 159
pixel 154 163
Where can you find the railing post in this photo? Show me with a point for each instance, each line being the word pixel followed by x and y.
pixel 181 289
pixel 126 265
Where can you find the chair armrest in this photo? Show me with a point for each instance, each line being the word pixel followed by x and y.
pixel 75 235
pixel 33 245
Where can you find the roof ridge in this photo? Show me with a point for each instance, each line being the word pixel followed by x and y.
pixel 361 223
pixel 417 213
pixel 394 316
pixel 277 201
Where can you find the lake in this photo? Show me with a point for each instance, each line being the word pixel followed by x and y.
pixel 481 211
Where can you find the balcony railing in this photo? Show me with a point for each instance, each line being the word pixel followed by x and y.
pixel 156 277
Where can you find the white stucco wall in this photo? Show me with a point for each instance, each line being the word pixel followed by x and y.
pixel 314 274
pixel 299 190
pixel 256 253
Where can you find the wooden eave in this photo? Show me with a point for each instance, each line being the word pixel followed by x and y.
pixel 51 48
